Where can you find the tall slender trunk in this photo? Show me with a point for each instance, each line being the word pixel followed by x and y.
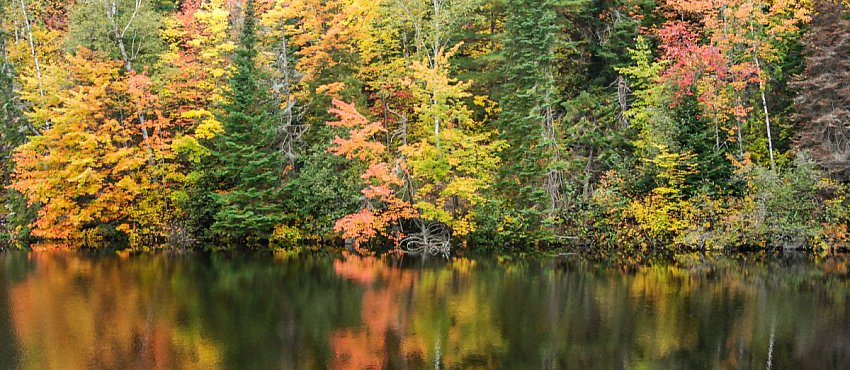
pixel 111 13
pixel 716 135
pixel 17 32
pixel 289 131
pixel 762 87
pixel 554 177
pixel 766 113
pixel 32 48
pixel 28 27
pixel 435 66
pixel 622 100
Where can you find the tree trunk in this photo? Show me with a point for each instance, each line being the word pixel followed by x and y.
pixel 766 113
pixel 111 12
pixel 32 48
pixel 35 60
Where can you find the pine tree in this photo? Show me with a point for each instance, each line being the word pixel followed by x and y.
pixel 822 103
pixel 528 122
pixel 245 164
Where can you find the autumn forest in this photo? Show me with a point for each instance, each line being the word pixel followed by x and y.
pixel 626 128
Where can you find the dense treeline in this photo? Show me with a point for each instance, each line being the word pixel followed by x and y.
pixel 626 127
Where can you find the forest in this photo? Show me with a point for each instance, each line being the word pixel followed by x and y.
pixel 625 128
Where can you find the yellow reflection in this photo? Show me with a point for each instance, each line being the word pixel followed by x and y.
pixel 70 314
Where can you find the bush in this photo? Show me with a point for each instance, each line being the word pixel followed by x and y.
pixel 285 237
pixel 790 208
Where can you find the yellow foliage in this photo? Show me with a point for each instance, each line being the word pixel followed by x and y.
pixel 285 236
pixel 453 176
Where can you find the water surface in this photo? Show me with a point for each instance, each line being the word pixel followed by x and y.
pixel 76 311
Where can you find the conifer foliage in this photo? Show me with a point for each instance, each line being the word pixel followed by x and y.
pixel 244 166
pixel 531 173
pixel 823 91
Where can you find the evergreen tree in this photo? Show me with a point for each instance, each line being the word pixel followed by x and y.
pixel 528 120
pixel 244 164
pixel 822 103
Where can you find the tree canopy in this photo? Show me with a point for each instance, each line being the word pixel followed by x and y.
pixel 625 127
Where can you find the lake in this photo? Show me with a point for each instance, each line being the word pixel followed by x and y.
pixel 80 310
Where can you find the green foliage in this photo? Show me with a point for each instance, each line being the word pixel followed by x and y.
pixel 527 122
pixel 97 25
pixel 325 191
pixel 243 171
pixel 788 208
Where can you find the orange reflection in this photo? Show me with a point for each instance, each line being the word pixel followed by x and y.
pixel 413 317
pixel 99 318
pixel 382 312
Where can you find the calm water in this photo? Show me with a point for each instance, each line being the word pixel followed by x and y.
pixel 74 311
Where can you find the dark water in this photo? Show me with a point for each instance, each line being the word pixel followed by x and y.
pixel 75 311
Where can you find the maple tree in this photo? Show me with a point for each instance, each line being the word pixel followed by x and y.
pixel 383 208
pixel 88 168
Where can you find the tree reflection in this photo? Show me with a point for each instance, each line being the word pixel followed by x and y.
pixel 70 310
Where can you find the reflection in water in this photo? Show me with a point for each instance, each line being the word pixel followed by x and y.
pixel 79 311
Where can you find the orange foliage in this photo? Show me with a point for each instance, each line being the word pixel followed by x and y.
pixel 359 144
pixel 196 66
pixel 326 31
pixel 383 208
pixel 88 167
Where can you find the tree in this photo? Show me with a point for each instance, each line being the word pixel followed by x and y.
pixel 420 195
pixel 532 175
pixel 326 33
pixel 123 29
pixel 194 67
pixel 244 168
pixel 823 91
pixel 87 169
pixel 510 122
pixel 37 57
pixel 450 180
pixel 750 37
pixel 286 81
pixel 383 208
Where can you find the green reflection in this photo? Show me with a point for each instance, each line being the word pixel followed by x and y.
pixel 71 310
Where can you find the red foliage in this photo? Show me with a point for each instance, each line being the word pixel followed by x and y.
pixel 383 208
